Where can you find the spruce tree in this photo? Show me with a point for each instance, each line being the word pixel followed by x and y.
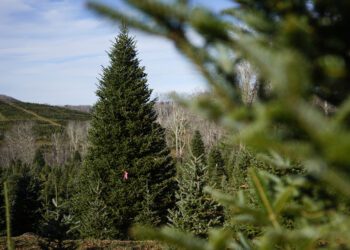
pixel 76 157
pixel 216 166
pixel 197 145
pixel 24 192
pixel 195 211
pixel 39 159
pixel 125 139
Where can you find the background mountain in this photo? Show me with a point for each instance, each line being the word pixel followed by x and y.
pixel 46 118
pixel 82 108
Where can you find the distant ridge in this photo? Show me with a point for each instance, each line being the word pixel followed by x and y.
pixel 47 118
pixel 14 109
pixel 82 108
pixel 7 98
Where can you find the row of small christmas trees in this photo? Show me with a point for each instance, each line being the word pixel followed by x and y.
pixel 40 198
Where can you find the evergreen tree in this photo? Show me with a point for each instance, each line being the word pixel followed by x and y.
pixel 39 160
pixel 57 224
pixel 125 139
pixel 76 157
pixel 94 221
pixel 195 211
pixel 147 216
pixel 197 145
pixel 58 187
pixel 2 202
pixel 24 192
pixel 216 166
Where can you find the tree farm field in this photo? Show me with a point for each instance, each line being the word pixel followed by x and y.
pixel 184 124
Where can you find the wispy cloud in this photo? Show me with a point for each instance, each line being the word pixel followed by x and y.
pixel 51 52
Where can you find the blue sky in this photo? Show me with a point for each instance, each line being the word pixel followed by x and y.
pixel 51 51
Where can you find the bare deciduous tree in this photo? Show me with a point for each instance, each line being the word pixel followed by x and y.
pixel 180 124
pixel 59 152
pixel 248 82
pixel 77 135
pixel 19 144
pixel 175 121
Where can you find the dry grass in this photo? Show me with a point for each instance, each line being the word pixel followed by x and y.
pixel 33 242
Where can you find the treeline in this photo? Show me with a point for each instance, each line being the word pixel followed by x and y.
pixel 20 142
pixel 38 195
pixel 43 197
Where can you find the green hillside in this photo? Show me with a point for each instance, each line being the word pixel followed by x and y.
pixel 47 119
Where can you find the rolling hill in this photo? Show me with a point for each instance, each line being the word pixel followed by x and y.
pixel 46 118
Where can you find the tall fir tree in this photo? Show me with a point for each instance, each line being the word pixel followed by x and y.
pixel 197 146
pixel 128 153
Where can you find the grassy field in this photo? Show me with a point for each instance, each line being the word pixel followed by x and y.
pixel 33 242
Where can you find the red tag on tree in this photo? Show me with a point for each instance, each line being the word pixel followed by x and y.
pixel 125 175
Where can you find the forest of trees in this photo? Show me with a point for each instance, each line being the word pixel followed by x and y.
pixel 260 161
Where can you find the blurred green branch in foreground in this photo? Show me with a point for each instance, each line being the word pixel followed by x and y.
pixel 299 51
pixel 9 241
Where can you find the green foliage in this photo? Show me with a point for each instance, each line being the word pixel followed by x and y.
pixel 76 156
pixel 147 216
pixel 299 50
pixel 197 146
pixel 10 113
pixel 39 200
pixel 125 136
pixel 43 130
pixel 216 166
pixel 57 224
pixel 239 160
pixel 55 113
pixel 58 184
pixel 24 192
pixel 91 211
pixel 9 242
pixel 39 160
pixel 195 211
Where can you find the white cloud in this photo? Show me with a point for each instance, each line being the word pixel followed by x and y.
pixel 10 6
pixel 51 52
